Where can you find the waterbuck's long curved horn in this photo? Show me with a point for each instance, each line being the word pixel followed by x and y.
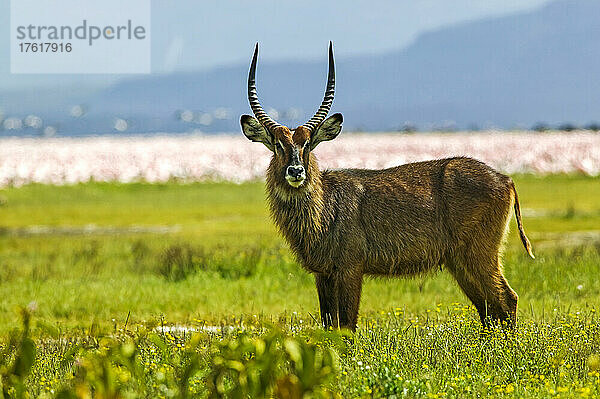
pixel 329 92
pixel 260 114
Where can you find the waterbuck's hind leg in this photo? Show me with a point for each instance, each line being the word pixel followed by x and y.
pixel 470 289
pixel 510 300
pixel 501 298
pixel 328 300
pixel 484 283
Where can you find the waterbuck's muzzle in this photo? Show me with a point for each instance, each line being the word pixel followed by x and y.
pixel 295 174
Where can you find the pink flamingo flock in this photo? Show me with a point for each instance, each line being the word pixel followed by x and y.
pixel 233 158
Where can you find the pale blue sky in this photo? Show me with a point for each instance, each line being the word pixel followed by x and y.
pixel 189 35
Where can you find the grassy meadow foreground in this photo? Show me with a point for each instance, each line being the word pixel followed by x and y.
pixel 103 269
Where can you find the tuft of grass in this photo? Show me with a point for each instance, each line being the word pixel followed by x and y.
pixel 177 263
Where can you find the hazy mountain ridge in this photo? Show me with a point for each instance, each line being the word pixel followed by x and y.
pixel 508 71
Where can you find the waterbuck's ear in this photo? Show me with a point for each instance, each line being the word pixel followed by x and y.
pixel 328 130
pixel 255 131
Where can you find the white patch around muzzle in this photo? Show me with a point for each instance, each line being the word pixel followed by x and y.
pixel 295 181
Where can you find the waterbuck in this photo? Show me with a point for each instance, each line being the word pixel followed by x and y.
pixel 402 221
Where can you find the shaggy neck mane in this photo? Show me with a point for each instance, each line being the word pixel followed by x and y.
pixel 297 212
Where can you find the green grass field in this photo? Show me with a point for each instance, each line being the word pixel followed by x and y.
pixel 107 260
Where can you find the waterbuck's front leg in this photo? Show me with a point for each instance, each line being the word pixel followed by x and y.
pixel 328 299
pixel 339 298
pixel 349 288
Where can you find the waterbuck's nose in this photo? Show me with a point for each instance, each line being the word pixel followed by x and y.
pixel 295 171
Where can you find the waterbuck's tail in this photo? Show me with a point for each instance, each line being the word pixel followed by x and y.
pixel 524 239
